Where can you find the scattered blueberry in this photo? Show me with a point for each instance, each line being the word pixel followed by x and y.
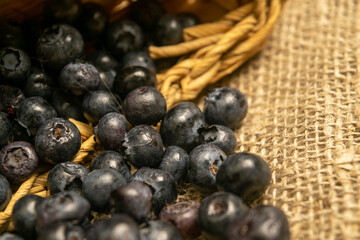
pixel 221 136
pixel 144 105
pixel 262 222
pixel 67 106
pixel 225 106
pixel 57 140
pixel 204 162
pixel 134 199
pixel 181 124
pixel 10 99
pixel 98 185
pixel 110 131
pixel 143 146
pixel 24 216
pixel 157 229
pixel 169 30
pixel 39 84
pixel 139 59
pixel 188 19
pixel 147 13
pixel 163 184
pixel 244 174
pixel 175 161
pixel 5 193
pixel 61 11
pixel 62 231
pixel 20 133
pixel 67 176
pixel 184 216
pixel 33 112
pixel 11 35
pixel 18 160
pixel 217 211
pixel 10 236
pixel 6 130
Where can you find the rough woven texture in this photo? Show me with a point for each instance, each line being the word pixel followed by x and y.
pixel 303 92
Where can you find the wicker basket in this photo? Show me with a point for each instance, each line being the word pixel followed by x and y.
pixel 233 33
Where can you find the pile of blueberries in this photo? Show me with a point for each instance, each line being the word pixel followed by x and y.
pixel 73 63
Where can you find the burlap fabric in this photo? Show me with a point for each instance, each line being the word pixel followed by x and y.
pixel 303 92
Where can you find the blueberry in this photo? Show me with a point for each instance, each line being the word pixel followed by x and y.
pixel 157 229
pixel 244 174
pixel 57 140
pixel 181 124
pixel 119 226
pixel 61 207
pixel 134 199
pixel 175 161
pixel 98 103
pixel 67 106
pixel 79 77
pixel 261 222
pixel 225 106
pixel 58 45
pixel 184 216
pixel 39 84
pixel 221 136
pixel 24 216
pixel 123 36
pixel 110 131
pixel 61 11
pixel 67 176
pixel 217 211
pixel 98 185
pixel 5 193
pixel 10 236
pixel 147 13
pixel 169 30
pixel 131 78
pixel 14 65
pixel 33 112
pixel 62 231
pixel 111 160
pixel 92 21
pixel 188 19
pixel 20 133
pixel 139 59
pixel 143 146
pixel 144 105
pixel 11 35
pixel 10 98
pixel 6 130
pixel 18 160
pixel 204 162
pixel 163 184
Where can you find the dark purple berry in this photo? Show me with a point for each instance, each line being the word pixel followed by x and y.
pixel 58 45
pixel 188 19
pixel 147 13
pixel 221 136
pixel 162 183
pixel 134 199
pixel 57 140
pixel 261 222
pixel 175 161
pixel 143 146
pixel 131 78
pixel 123 36
pixel 10 236
pixel 184 216
pixel 111 160
pixel 11 35
pixel 24 216
pixel 18 160
pixel 244 174
pixel 169 30
pixel 10 99
pixel 14 65
pixel 61 207
pixel 98 185
pixel 180 126
pixel 20 133
pixel 217 211
pixel 225 106
pixel 5 193
pixel 33 112
pixel 98 103
pixel 204 162
pixel 67 176
pixel 61 11
pixel 137 58
pixel 39 84
pixel 79 77
pixel 6 130
pixel 157 229
pixel 110 131
pixel 62 231
pixel 67 106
